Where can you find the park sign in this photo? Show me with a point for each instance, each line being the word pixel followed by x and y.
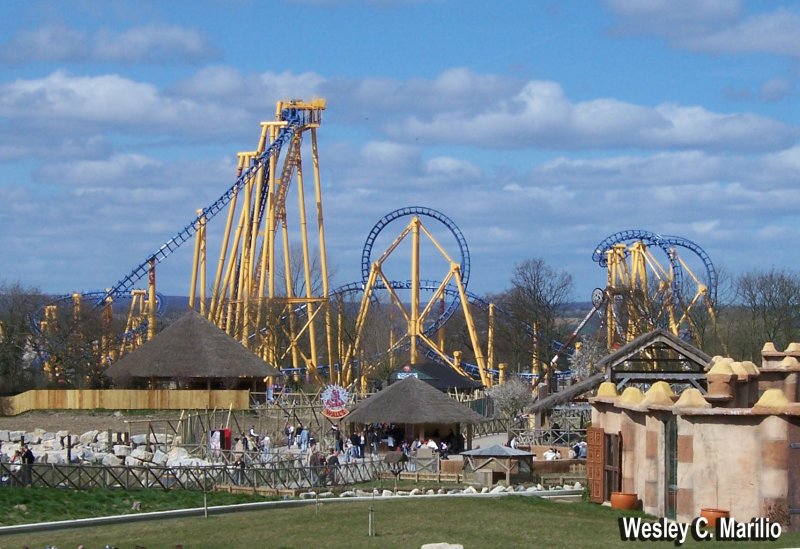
pixel 334 400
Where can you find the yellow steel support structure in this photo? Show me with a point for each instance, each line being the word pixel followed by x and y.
pixel 269 291
pixel 640 295
pixel 199 265
pixel 414 318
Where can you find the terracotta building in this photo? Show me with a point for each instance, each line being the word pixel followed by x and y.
pixel 735 447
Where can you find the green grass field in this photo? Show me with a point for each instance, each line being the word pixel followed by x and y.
pixel 513 521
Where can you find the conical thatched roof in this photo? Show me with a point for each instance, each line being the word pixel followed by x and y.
pixel 412 401
pixel 497 451
pixel 438 375
pixel 191 347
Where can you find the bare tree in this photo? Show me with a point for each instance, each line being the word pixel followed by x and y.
pixel 537 296
pixel 771 304
pixel 18 306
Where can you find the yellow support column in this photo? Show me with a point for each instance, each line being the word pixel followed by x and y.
pixel 413 323
pixel 151 301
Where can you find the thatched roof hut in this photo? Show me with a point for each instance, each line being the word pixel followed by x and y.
pixel 412 401
pixel 438 375
pixel 417 410
pixel 192 353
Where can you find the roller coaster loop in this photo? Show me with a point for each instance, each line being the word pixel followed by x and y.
pixel 667 243
pixel 366 258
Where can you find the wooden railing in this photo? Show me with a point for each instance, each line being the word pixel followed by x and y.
pixel 278 476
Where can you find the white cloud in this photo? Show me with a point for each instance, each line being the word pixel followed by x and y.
pixel 158 44
pixel 113 101
pixel 47 43
pixel 775 89
pixel 540 115
pixel 711 26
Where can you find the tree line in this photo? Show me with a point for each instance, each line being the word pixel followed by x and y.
pixel 535 311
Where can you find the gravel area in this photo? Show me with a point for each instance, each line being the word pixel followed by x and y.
pixel 80 422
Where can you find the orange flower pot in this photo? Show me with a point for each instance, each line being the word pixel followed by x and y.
pixel 711 515
pixel 624 500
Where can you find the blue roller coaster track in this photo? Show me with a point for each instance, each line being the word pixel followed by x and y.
pixel 450 290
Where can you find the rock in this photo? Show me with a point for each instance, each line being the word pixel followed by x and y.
pixel 577 486
pixel 178 452
pixel 498 490
pixel 453 491
pixel 430 493
pixel 415 492
pixel 110 460
pixel 141 453
pixel 51 444
pixel 387 493
pixel 117 414
pixel 442 545
pixel 308 495
pixel 440 491
pixel 159 457
pixel 532 489
pixel 401 493
pixel 121 451
pixel 88 437
pixel 57 457
pixel 539 487
pixel 62 434
pixel 45 436
pixel 15 436
pixel 131 461
pixel 470 490
pixel 359 494
pixel 519 488
pixel 139 439
pixel 21 507
pixel 485 490
pixel 103 437
pixel 4 435
pixel 32 438
pixel 347 494
pixel 326 495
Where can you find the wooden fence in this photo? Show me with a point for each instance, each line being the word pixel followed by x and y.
pixel 123 399
pixel 279 477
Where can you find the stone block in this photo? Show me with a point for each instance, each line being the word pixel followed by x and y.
pixel 110 460
pixel 159 457
pixel 139 439
pixel 121 451
pixel 387 493
pixel 15 436
pixel 4 435
pixel 32 438
pixel 131 461
pixel 141 453
pixel 88 437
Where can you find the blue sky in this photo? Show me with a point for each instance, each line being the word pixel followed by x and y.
pixel 539 128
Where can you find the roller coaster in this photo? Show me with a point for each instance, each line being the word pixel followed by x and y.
pixel 270 287
pixel 643 293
